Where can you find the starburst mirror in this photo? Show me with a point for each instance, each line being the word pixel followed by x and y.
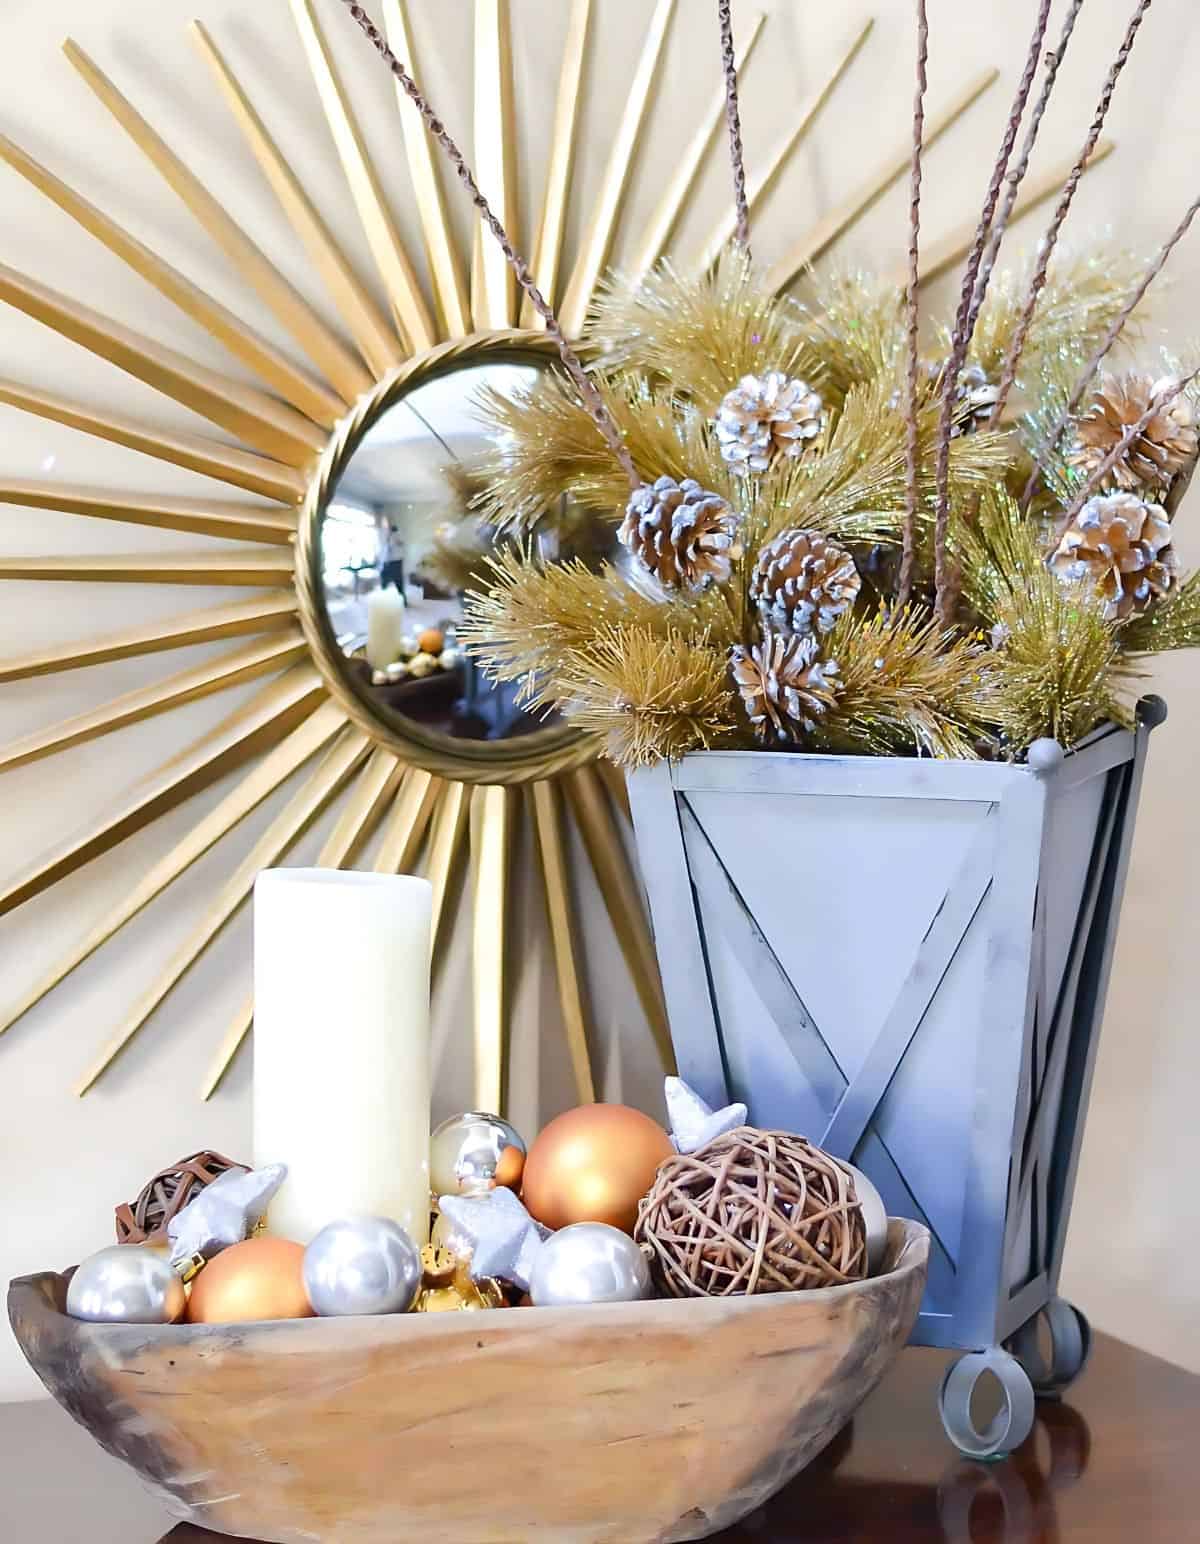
pixel 343 470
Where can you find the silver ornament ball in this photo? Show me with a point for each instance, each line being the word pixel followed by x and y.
pixel 464 1152
pixel 589 1262
pixel 126 1284
pixel 875 1218
pixel 361 1265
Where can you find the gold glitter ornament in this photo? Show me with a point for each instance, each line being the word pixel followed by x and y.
pixel 1157 455
pixel 784 684
pixel 446 1285
pixel 1122 545
pixel 683 535
pixel 803 582
pixel 765 417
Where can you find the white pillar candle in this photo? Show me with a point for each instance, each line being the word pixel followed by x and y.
pixel 385 627
pixel 341 1046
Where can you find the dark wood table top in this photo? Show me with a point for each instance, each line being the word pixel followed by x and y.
pixel 1113 1464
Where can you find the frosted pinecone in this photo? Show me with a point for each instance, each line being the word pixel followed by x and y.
pixel 686 537
pixel 803 581
pixel 1158 454
pixel 1121 545
pixel 785 686
pixel 766 416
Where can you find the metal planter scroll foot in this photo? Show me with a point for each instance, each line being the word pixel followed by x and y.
pixel 906 960
pixel 1011 1424
pixel 1070 1347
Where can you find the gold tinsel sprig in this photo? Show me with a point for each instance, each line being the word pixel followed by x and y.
pixel 853 324
pixel 1082 298
pixel 532 615
pixel 699 333
pixel 653 696
pixel 1173 624
pixel 545 446
pixel 905 684
pixel 855 489
pixel 1057 668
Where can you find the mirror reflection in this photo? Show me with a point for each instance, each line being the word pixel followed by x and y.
pixel 401 543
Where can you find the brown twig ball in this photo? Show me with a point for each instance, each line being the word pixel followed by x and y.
pixel 753 1211
pixel 144 1221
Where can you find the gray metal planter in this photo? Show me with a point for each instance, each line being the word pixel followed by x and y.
pixel 906 960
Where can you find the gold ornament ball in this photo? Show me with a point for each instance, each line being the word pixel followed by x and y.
pixel 448 1287
pixel 431 641
pixel 594 1164
pixel 260 1279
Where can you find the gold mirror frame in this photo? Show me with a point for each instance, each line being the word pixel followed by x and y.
pixel 532 757
pixel 394 807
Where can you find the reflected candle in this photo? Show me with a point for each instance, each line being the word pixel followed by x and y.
pixel 385 627
pixel 341 1046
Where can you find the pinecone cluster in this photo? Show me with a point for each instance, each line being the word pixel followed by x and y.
pixel 803 582
pixel 784 684
pixel 766 416
pixel 684 536
pixel 1122 545
pixel 1157 455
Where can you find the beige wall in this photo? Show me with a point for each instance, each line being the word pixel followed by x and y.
pixel 64 1163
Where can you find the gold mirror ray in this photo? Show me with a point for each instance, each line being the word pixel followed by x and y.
pixel 452 806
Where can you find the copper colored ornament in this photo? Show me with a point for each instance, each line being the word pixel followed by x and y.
pixel 260 1279
pixel 754 1211
pixel 447 1287
pixel 511 1168
pixel 163 1197
pixel 594 1164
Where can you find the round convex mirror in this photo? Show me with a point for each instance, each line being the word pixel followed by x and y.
pixel 395 542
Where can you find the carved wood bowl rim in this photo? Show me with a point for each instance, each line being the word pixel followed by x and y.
pixel 38 1299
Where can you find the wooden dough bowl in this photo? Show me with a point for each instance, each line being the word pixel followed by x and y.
pixel 626 1424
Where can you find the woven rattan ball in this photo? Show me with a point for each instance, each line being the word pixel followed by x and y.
pixel 144 1221
pixel 753 1211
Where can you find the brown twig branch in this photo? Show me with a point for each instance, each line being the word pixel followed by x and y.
pixel 1054 61
pixel 734 120
pixel 1117 453
pixel 586 387
pixel 1110 337
pixel 1046 247
pixel 961 337
pixel 912 438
